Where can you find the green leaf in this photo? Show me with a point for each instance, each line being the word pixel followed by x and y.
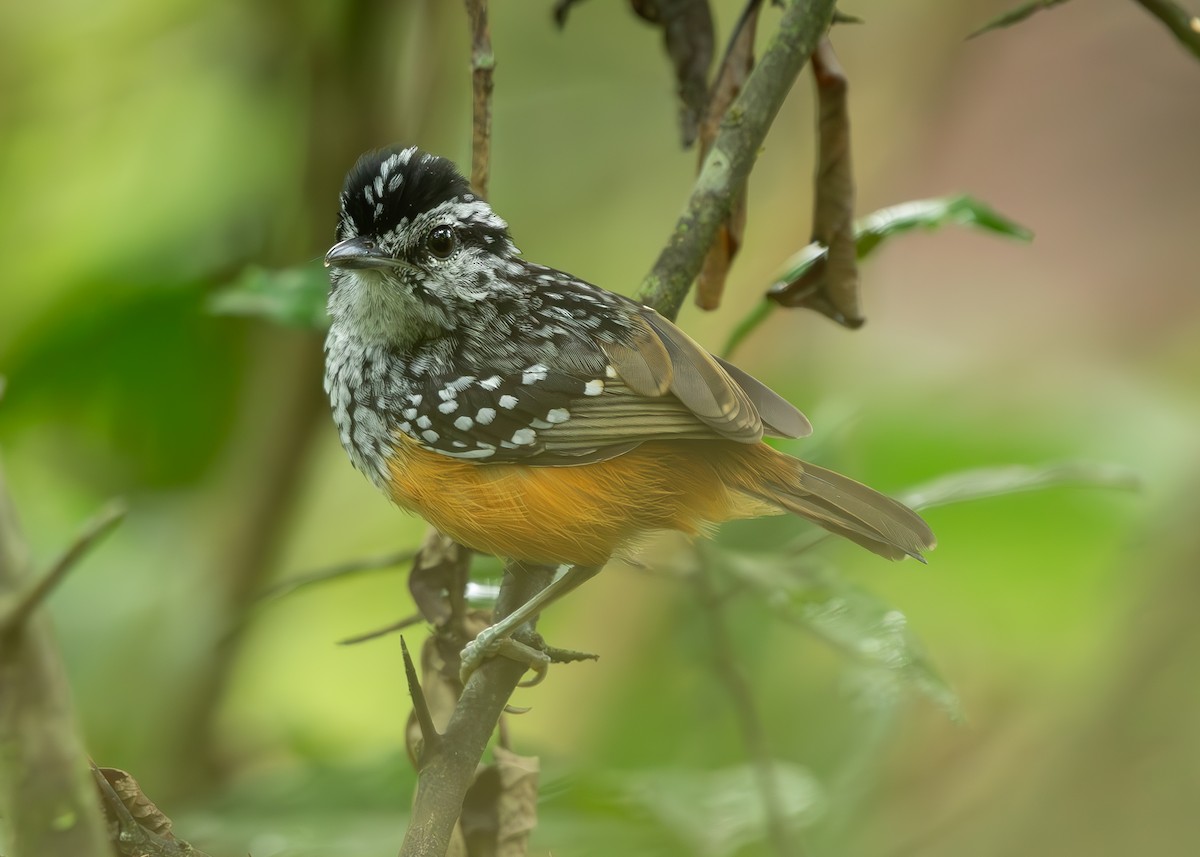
pixel 1015 15
pixel 851 619
pixel 872 230
pixel 290 296
pixel 996 481
pixel 719 813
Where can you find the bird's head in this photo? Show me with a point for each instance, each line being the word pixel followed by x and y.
pixel 416 249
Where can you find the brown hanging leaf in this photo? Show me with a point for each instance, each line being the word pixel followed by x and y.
pixel 438 577
pixel 731 77
pixel 830 286
pixel 500 809
pixel 687 27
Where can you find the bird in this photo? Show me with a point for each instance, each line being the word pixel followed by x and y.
pixel 534 416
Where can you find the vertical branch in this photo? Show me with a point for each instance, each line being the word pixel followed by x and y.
pixel 445 775
pixel 741 696
pixel 47 799
pixel 483 61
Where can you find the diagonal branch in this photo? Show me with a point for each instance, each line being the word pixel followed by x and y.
pixel 733 153
pixel 1184 25
pixel 16 611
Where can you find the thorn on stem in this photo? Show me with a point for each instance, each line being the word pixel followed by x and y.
pixel 429 733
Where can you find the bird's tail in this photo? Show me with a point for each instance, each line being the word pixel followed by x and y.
pixel 839 504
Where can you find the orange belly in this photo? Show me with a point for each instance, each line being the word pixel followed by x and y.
pixel 578 515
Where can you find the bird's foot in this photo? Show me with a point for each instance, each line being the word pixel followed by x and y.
pixel 529 649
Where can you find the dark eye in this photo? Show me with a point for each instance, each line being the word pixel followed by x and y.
pixel 441 242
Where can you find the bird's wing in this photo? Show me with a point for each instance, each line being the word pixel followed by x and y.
pixel 612 394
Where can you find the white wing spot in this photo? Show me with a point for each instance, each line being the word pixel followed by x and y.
pixel 410 413
pixel 594 388
pixel 430 435
pixel 523 437
pixel 490 383
pixel 610 372
pixel 414 398
pixel 424 422
pixel 558 415
pixel 508 402
pixel 536 372
pixel 464 423
pixel 449 406
pixel 485 416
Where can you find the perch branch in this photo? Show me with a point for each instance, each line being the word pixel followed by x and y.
pixel 446 775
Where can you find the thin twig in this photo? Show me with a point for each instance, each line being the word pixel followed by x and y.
pixel 429 735
pixel 741 696
pixel 733 153
pixel 14 614
pixel 406 622
pixel 1184 25
pixel 333 572
pixel 483 61
pixel 44 777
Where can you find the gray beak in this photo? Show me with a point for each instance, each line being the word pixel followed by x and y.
pixel 358 253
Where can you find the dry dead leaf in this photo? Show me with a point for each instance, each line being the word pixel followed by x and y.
pixel 439 577
pixel 830 286
pixel 731 77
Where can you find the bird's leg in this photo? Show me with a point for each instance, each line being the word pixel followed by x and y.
pixel 497 639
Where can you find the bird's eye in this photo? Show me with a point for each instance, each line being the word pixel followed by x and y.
pixel 441 242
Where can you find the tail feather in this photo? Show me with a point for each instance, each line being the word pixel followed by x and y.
pixel 839 504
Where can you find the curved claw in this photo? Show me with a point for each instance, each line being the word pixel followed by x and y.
pixel 491 642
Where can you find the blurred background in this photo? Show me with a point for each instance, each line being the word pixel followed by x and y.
pixel 154 152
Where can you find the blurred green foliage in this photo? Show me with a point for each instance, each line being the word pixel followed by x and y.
pixel 161 159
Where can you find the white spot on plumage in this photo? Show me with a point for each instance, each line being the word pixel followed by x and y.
pixel 558 415
pixel 449 406
pixel 524 436
pixel 594 387
pixel 508 402
pixel 464 423
pixel 610 372
pixel 410 413
pixel 414 398
pixel 424 422
pixel 490 383
pixel 430 435
pixel 536 372
pixel 485 416
pixel 447 393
